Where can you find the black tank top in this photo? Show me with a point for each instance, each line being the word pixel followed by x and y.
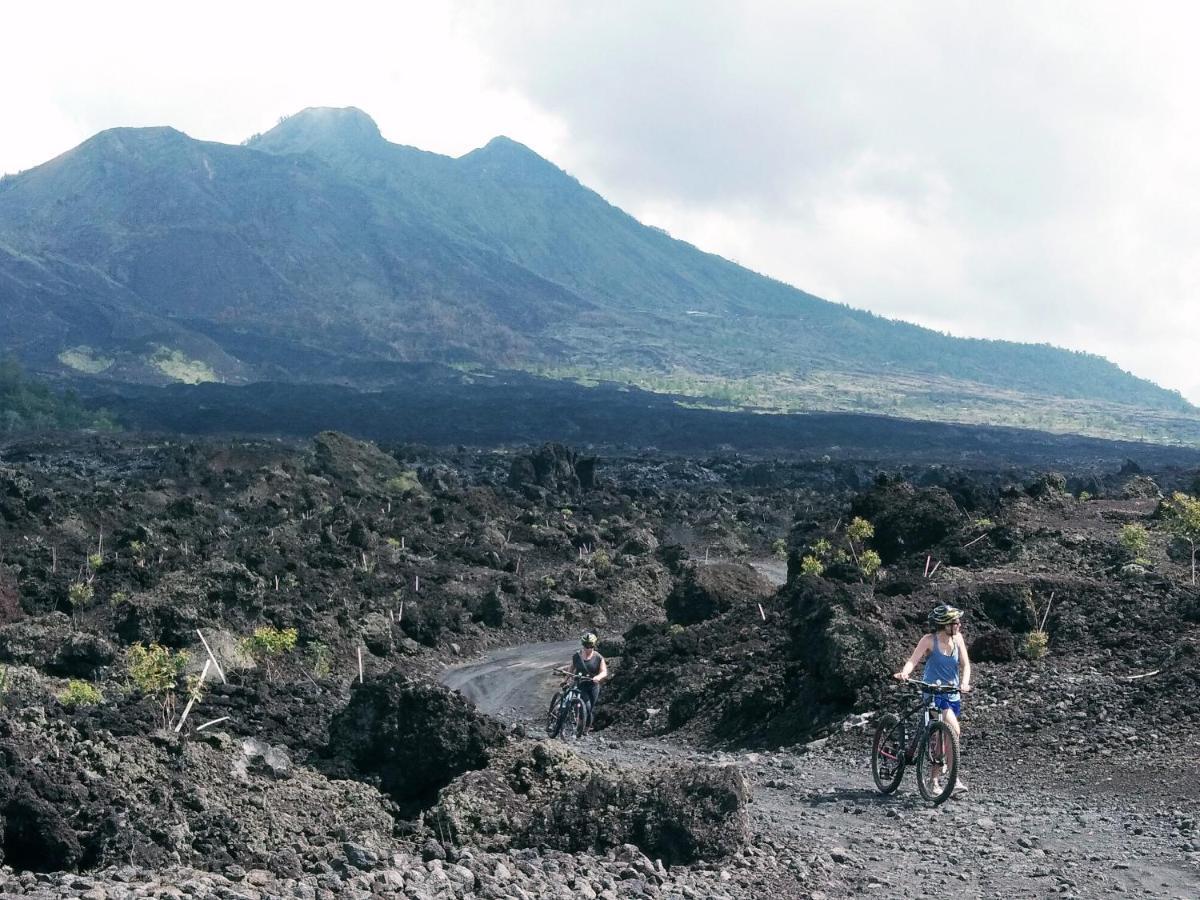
pixel 588 667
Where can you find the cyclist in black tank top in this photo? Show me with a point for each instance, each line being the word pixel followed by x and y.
pixel 587 661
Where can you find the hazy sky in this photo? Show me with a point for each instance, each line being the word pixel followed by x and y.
pixel 1027 171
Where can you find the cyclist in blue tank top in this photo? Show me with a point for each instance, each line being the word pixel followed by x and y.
pixel 947 662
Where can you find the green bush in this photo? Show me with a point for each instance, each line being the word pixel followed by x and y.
pixel 80 594
pixel 869 561
pixel 601 563
pixel 80 693
pixel 810 565
pixel 267 641
pixel 155 671
pixel 779 548
pixel 268 644
pixel 1136 540
pixel 1035 645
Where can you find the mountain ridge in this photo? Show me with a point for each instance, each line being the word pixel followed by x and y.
pixel 321 233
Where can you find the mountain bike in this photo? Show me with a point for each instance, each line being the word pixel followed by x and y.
pixel 916 734
pixel 567 715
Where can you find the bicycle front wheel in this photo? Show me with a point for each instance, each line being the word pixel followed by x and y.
pixel 937 763
pixel 554 716
pixel 887 754
pixel 574 720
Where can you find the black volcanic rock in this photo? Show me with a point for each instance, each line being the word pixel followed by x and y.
pixel 410 737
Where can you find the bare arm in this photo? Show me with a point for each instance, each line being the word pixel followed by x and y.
pixel 964 664
pixel 603 673
pixel 923 647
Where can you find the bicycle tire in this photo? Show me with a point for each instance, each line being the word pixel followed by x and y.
pixel 572 720
pixel 888 756
pixel 939 745
pixel 554 716
pixel 581 719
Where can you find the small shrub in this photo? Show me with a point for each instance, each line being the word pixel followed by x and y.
pixel 403 483
pixel 869 561
pixel 267 644
pixel 80 693
pixel 267 641
pixel 320 659
pixel 810 565
pixel 117 598
pixel 80 594
pixel 1084 496
pixel 95 561
pixel 155 671
pixel 1136 541
pixel 860 530
pixel 548 583
pixel 601 563
pixel 779 548
pixel 1035 644
pixel 983 524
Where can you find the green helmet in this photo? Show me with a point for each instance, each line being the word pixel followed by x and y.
pixel 589 639
pixel 943 614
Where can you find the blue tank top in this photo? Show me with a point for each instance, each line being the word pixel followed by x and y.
pixel 943 667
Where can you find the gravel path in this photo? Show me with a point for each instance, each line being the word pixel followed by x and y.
pixel 817 816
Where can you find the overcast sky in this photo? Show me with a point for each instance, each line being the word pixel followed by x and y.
pixel 1027 171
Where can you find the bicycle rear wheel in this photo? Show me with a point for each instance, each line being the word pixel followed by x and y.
pixel 937 763
pixel 887 754
pixel 554 716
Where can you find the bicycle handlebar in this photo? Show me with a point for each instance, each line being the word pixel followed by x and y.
pixel 932 688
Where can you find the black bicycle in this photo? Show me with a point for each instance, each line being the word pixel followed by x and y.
pixel 917 734
pixel 567 715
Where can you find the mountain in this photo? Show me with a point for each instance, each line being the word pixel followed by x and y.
pixel 319 251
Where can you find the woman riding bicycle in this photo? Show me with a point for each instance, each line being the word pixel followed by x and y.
pixel 947 662
pixel 588 662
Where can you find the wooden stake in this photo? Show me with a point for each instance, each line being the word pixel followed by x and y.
pixel 360 667
pixel 192 699
pixel 416 584
pixel 928 559
pixel 761 613
pixel 211 722
pixel 400 618
pixel 276 582
pixel 212 656
pixel 935 567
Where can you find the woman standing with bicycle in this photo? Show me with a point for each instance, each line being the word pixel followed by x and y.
pixel 947 663
pixel 588 662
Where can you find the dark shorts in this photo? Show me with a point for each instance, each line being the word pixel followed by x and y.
pixel 941 701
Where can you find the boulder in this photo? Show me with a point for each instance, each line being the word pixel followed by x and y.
pixel 411 737
pixel 906 519
pixel 541 794
pixel 994 646
pixel 705 591
pixel 555 468
pixel 49 643
pixel 1008 605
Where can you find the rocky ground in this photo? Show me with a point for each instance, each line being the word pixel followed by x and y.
pixel 332 765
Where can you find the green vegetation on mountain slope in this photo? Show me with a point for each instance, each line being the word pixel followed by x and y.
pixel 320 249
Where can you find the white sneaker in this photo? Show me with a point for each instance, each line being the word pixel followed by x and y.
pixel 960 787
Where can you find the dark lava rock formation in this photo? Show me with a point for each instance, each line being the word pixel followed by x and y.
pixel 704 591
pixel 542 794
pixel 411 738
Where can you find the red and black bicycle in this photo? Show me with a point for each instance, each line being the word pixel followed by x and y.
pixel 916 735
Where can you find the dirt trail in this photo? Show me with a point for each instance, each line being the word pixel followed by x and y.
pixel 817 807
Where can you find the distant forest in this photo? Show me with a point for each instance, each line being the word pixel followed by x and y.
pixel 27 405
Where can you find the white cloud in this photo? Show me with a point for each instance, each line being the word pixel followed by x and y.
pixel 1018 170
